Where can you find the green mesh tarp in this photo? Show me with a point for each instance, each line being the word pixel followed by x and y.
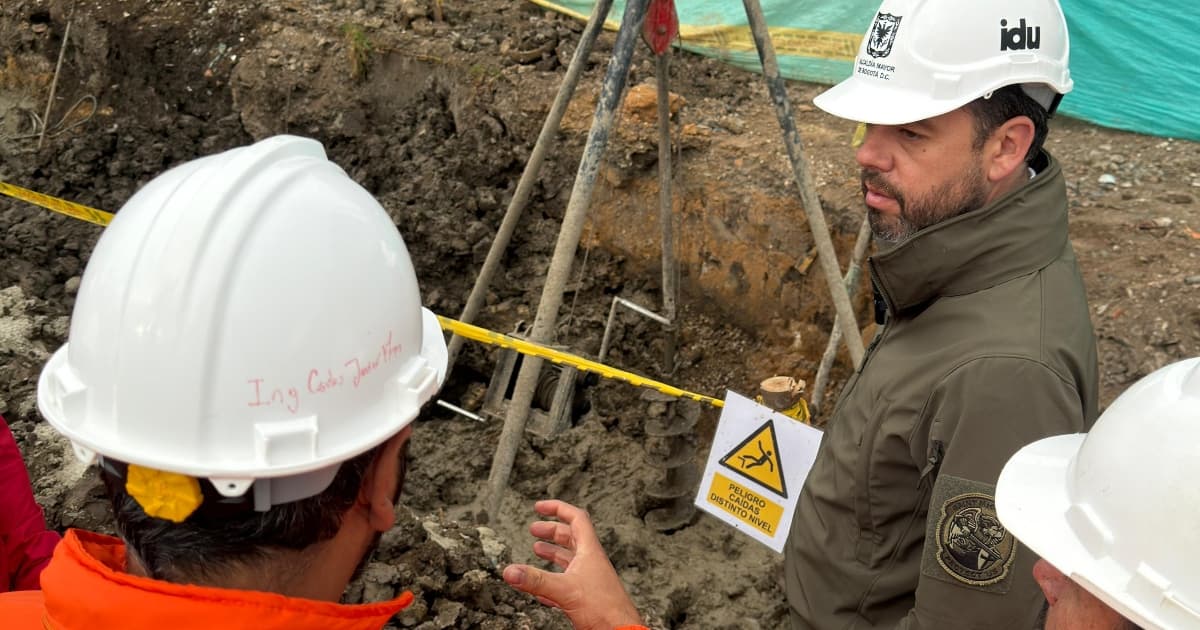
pixel 1136 65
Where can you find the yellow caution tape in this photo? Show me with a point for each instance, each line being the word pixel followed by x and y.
pixel 798 411
pixel 162 494
pixel 467 331
pixel 483 335
pixel 61 206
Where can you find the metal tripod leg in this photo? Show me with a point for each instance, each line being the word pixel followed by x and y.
pixel 521 197
pixel 808 189
pixel 545 321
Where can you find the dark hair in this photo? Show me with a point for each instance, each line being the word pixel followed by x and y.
pixel 212 542
pixel 1005 104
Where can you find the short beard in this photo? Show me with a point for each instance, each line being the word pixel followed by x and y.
pixel 949 200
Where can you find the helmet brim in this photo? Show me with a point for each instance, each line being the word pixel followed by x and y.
pixel 1032 499
pixel 1033 503
pixel 433 344
pixel 88 446
pixel 874 104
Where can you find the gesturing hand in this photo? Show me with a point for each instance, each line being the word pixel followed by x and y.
pixel 588 590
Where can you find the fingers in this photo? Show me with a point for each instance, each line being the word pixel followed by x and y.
pixel 588 590
pixel 557 542
pixel 550 588
pixel 581 529
pixel 553 553
pixel 549 507
pixel 523 578
pixel 561 510
pixel 557 533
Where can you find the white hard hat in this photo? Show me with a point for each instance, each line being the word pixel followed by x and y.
pixel 923 58
pixel 248 316
pixel 1118 509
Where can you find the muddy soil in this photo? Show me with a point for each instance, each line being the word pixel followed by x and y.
pixel 437 119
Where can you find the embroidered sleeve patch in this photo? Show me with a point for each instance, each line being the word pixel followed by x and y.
pixel 972 544
pixel 968 544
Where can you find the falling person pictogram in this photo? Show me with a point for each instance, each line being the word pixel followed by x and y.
pixel 764 457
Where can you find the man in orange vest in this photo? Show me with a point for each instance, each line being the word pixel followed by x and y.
pixel 246 354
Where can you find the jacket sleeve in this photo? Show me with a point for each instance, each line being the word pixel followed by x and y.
pixel 974 574
pixel 25 543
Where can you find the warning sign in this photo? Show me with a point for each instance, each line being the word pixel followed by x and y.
pixel 757 457
pixel 747 505
pixel 755 470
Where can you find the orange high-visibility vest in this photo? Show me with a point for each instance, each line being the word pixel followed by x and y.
pixel 85 587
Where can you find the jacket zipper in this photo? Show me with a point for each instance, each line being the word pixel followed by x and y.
pixel 862 498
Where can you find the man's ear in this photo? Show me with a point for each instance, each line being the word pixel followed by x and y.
pixel 380 485
pixel 1005 150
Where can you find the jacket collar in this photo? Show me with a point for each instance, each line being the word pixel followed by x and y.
pixel 1015 235
pixel 85 586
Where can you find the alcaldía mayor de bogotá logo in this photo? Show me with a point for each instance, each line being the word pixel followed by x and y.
pixel 882 35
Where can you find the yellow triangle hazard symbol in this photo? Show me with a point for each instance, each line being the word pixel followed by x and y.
pixel 757 458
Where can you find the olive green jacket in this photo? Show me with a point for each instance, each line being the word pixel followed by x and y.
pixel 987 346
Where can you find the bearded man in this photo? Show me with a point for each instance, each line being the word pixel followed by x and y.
pixel 985 342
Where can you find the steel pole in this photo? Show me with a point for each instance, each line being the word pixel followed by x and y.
pixel 835 335
pixel 808 189
pixel 546 319
pixel 520 198
pixel 670 270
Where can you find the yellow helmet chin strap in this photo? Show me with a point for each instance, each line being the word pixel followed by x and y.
pixel 166 495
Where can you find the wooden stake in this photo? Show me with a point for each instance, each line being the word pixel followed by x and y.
pixel 54 85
